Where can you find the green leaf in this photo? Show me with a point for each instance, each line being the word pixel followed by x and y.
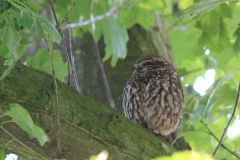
pixel 210 96
pixel 115 38
pixel 178 40
pixel 43 26
pixel 142 13
pixel 38 133
pixel 3 51
pixel 33 6
pixel 4 5
pixel 26 19
pixel 201 8
pixel 43 62
pixel 6 72
pixel 24 42
pixel 22 118
pixel 2 153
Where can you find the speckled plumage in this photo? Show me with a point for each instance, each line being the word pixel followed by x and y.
pixel 153 97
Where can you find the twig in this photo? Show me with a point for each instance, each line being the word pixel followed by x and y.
pixel 56 93
pixel 234 110
pixel 55 84
pixel 195 70
pixel 118 102
pixel 21 143
pixel 113 10
pixel 63 41
pixel 109 95
pixel 67 15
pixel 72 58
pixel 211 133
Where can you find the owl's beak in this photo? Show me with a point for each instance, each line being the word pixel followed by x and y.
pixel 136 69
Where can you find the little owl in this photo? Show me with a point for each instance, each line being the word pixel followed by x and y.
pixel 153 97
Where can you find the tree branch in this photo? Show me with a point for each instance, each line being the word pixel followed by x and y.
pixel 87 127
pixel 72 58
pixel 195 70
pixel 66 17
pixel 218 140
pixel 56 97
pixel 234 110
pixel 113 10
pixel 109 95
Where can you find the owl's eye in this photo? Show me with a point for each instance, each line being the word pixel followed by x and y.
pixel 148 64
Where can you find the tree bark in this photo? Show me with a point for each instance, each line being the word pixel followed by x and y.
pixel 86 127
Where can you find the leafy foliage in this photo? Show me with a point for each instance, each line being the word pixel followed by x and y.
pixel 20 15
pixel 202 7
pixel 201 106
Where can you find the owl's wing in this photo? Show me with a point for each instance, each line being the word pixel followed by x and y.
pixel 133 103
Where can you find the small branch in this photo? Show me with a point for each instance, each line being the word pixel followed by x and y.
pixel 56 93
pixel 15 139
pixel 211 133
pixel 195 70
pixel 113 10
pixel 234 110
pixel 63 41
pixel 109 95
pixel 72 58
pixel 118 102
pixel 67 15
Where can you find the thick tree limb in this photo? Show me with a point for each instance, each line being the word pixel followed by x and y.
pixel 87 127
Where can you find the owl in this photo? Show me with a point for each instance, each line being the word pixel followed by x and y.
pixel 153 97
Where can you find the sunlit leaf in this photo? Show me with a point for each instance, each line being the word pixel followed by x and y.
pixel 146 9
pixel 186 155
pixel 200 8
pixel 2 153
pixel 20 116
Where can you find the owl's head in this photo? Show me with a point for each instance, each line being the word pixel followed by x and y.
pixel 151 62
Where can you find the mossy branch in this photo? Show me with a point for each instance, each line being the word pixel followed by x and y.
pixel 87 127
